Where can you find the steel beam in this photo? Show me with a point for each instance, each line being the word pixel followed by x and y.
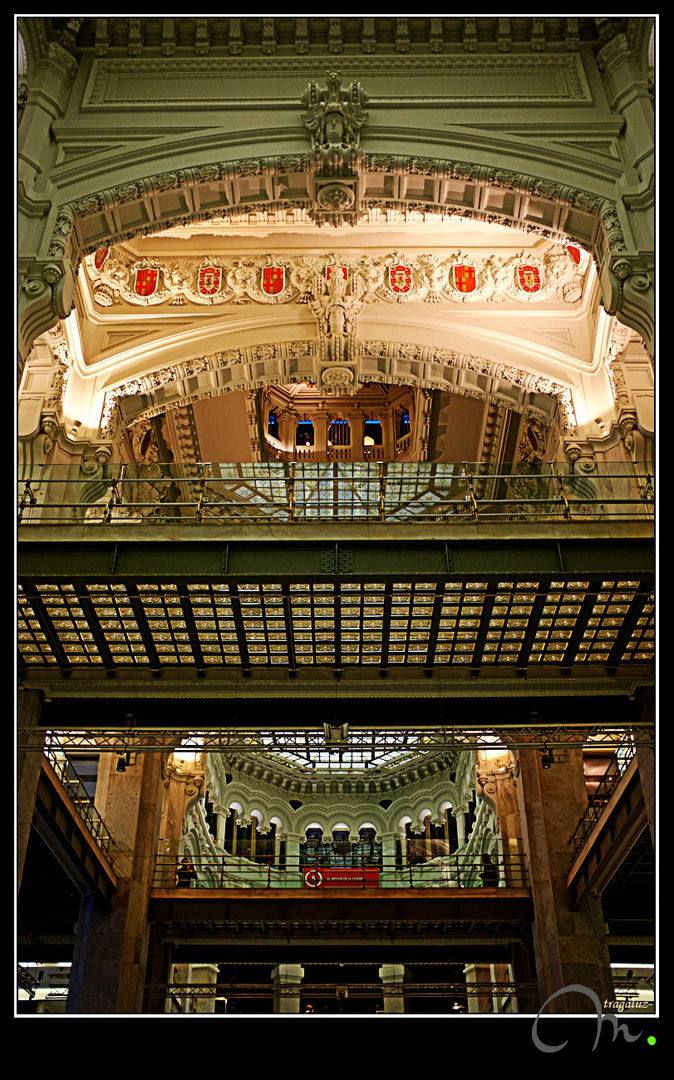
pixel 299 561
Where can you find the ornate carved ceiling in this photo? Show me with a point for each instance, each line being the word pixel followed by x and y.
pixel 201 310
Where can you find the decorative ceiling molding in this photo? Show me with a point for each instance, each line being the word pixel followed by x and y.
pixel 242 190
pixel 315 36
pixel 390 363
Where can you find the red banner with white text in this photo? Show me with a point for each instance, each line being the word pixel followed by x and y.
pixel 330 877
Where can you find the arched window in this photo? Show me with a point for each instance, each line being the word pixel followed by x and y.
pixel 373 435
pixel 339 433
pixel 304 434
pixel 341 847
pixel 314 851
pixel 367 852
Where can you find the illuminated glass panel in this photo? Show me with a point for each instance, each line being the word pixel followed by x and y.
pixel 356 623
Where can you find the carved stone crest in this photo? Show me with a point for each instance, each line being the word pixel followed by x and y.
pixel 334 118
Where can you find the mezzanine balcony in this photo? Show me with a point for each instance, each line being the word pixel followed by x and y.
pixel 343 492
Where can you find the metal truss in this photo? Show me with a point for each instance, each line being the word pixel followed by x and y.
pixel 362 745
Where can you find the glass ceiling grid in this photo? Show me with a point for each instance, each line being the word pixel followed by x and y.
pixel 347 623
pixel 301 750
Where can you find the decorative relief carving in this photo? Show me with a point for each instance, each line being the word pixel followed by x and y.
pixel 620 337
pixel 52 406
pixel 533 442
pixel 336 380
pixel 334 118
pixel 459 278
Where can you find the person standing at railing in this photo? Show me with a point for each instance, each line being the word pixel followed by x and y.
pixel 489 875
pixel 185 874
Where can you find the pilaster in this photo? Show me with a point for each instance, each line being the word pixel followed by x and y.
pixel 570 947
pixel 29 708
pixel 287 979
pixel 203 975
pixel 496 781
pixel 478 975
pixel 116 946
pixel 393 978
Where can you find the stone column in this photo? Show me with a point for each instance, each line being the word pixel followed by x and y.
pixel 222 821
pixel 48 284
pixel 501 973
pixel 113 956
pixel 393 977
pixel 287 979
pixel 523 967
pixel 320 421
pixel 183 782
pixel 495 781
pixel 279 837
pixel 293 875
pixel 626 265
pixel 570 947
pixel 646 757
pixel 253 838
pixel 286 431
pixel 179 976
pixel 459 812
pixel 203 975
pixel 29 763
pixel 428 834
pixel 403 848
pixel 479 975
pixel 445 827
pixel 157 973
pixel 388 855
pixel 388 435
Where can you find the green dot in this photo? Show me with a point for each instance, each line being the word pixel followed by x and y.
pixel 651 1040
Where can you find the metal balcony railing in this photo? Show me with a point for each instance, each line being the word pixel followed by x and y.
pixel 306 492
pixel 81 800
pixel 182 997
pixel 601 797
pixel 225 871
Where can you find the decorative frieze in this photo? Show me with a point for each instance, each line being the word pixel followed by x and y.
pixel 462 278
pixel 280 37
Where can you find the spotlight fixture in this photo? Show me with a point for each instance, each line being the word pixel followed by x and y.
pixel 546 758
pixel 123 760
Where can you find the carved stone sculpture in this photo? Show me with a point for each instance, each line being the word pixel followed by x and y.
pixel 334 117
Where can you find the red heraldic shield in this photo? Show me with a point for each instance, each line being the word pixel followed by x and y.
pixel 574 252
pixel 400 278
pixel 210 278
pixel 273 280
pixel 465 278
pixel 336 272
pixel 529 278
pixel 100 257
pixel 146 282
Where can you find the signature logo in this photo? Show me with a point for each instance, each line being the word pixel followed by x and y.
pixel 574 988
